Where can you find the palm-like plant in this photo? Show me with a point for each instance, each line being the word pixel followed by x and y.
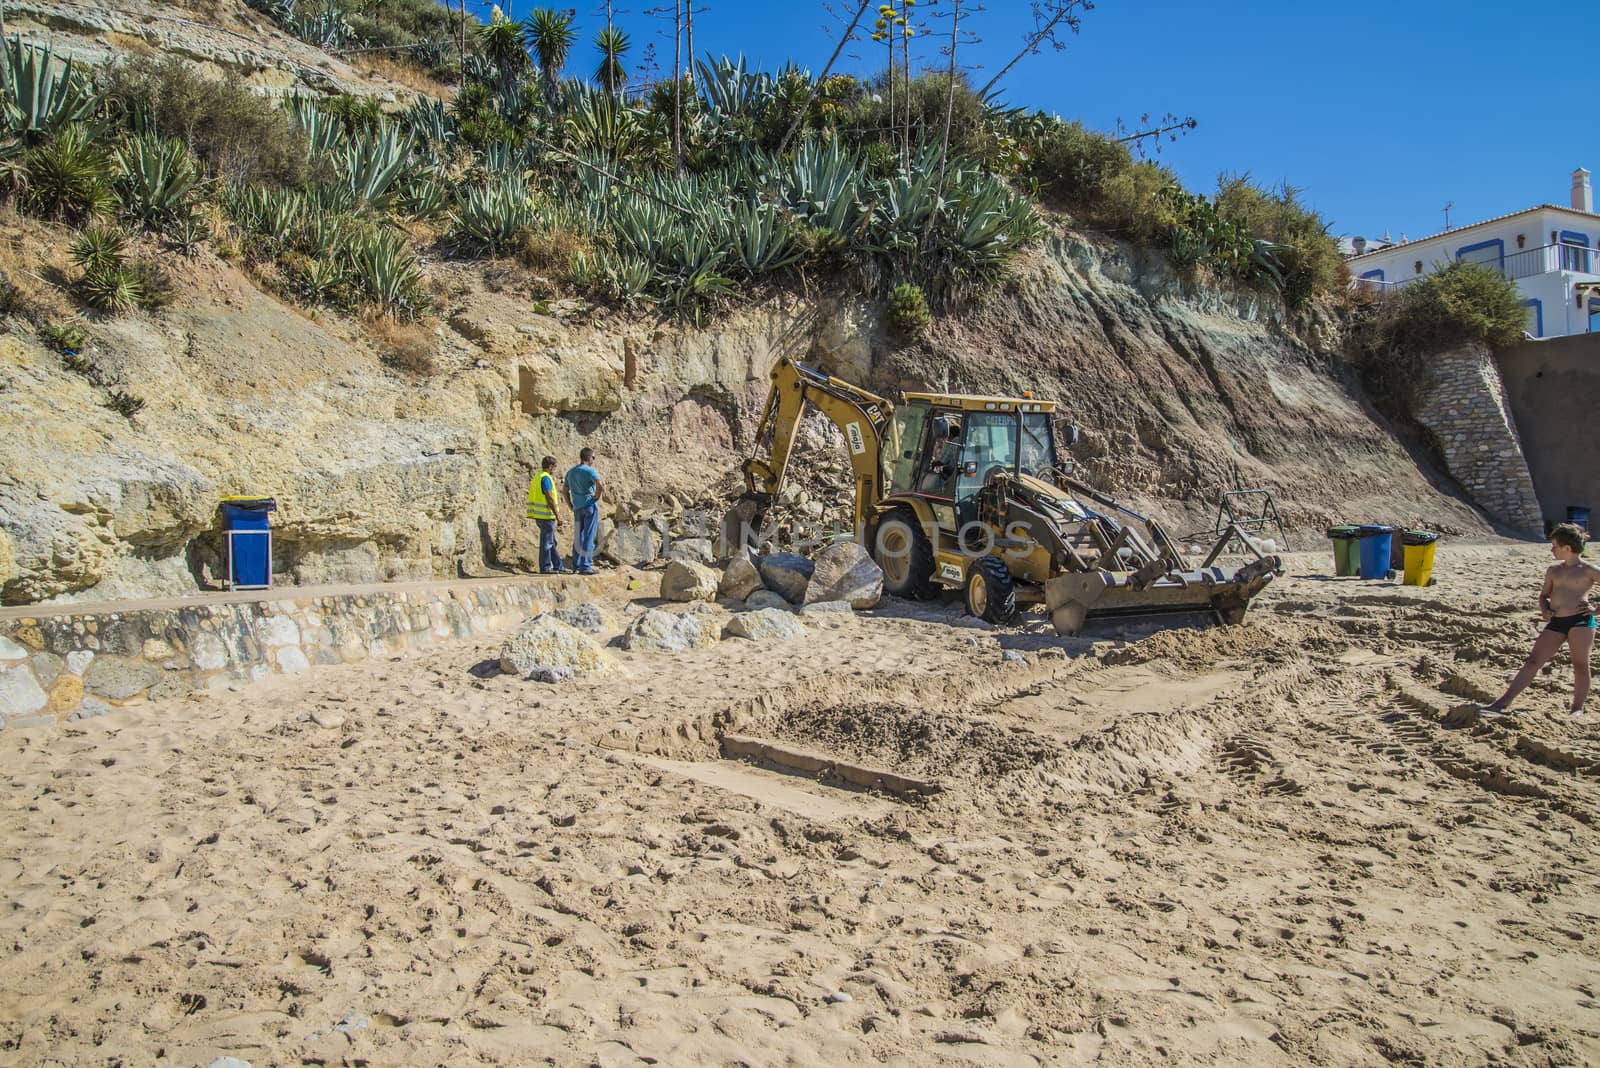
pixel 612 44
pixel 98 248
pixel 550 34
pixel 501 43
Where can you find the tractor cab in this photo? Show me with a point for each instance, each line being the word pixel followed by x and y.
pixel 944 448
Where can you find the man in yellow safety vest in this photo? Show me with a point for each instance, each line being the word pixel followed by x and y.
pixel 542 510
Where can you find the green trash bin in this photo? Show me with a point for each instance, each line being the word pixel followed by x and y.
pixel 1346 550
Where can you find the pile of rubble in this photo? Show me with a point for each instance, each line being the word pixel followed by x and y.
pixel 815 505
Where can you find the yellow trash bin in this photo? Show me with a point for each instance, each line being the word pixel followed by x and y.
pixel 1419 546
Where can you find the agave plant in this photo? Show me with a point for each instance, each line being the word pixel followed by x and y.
pixel 823 184
pixel 383 268
pixel 65 177
pixel 761 239
pixel 424 195
pixel 489 216
pixel 322 278
pixel 429 122
pixel 271 214
pixel 371 164
pixel 38 95
pixel 155 179
pixel 319 233
pixel 605 127
pixel 188 233
pixel 324 132
pixel 98 248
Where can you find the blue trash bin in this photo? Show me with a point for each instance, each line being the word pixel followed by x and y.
pixel 1376 545
pixel 249 534
pixel 1580 516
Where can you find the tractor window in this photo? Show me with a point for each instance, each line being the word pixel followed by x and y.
pixel 989 439
pixel 903 447
pixel 1038 448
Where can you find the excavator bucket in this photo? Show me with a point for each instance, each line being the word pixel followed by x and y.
pixel 1208 592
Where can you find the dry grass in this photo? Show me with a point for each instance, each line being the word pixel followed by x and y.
pixel 409 347
pixel 126 42
pixel 34 260
pixel 402 71
pixel 550 252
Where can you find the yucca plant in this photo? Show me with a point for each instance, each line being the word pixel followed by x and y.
pixel 65 177
pixel 38 94
pixel 548 31
pixel 98 248
pixel 384 270
pixel 113 289
pixel 489 216
pixel 612 45
pixel 155 180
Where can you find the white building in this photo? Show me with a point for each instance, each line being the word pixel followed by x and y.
pixel 1551 253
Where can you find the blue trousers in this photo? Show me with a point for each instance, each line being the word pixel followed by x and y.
pixel 549 554
pixel 586 521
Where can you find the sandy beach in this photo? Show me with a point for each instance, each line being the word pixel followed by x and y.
pixel 1296 842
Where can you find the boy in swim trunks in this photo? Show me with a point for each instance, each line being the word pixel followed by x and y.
pixel 1568 615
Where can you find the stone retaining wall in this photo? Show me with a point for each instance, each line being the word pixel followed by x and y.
pixel 72 664
pixel 1464 404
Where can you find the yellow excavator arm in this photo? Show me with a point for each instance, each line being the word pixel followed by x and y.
pixel 862 416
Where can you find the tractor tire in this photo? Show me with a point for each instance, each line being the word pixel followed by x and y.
pixel 991 592
pixel 901 549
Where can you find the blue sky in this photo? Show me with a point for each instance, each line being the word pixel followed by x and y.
pixel 1380 112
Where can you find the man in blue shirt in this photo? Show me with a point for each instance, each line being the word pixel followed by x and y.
pixel 582 490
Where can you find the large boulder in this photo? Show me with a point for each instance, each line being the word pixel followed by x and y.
pixel 845 571
pixel 694 550
pixel 631 543
pixel 741 579
pixel 788 573
pixel 655 631
pixel 766 624
pixel 546 642
pixel 685 580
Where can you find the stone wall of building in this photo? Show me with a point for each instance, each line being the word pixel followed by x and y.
pixel 1464 404
pixel 67 664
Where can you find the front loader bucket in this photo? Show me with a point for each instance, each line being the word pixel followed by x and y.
pixel 1075 598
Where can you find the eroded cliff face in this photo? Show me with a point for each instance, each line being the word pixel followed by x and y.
pixel 381 474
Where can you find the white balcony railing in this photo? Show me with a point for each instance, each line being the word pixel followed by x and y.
pixel 1546 259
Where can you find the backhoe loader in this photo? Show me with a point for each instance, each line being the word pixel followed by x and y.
pixel 964 492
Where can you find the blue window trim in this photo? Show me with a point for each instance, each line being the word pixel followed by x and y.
pixel 1581 261
pixel 1538 315
pixel 1494 243
pixel 1378 274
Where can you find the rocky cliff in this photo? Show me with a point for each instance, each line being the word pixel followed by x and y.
pixel 384 474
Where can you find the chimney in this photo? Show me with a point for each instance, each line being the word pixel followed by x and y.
pixel 1582 191
pixel 1359 244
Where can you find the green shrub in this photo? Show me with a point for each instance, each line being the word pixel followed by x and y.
pixel 908 315
pixel 125 404
pixel 242 136
pixel 1311 261
pixel 63 337
pixel 113 289
pixel 1394 339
